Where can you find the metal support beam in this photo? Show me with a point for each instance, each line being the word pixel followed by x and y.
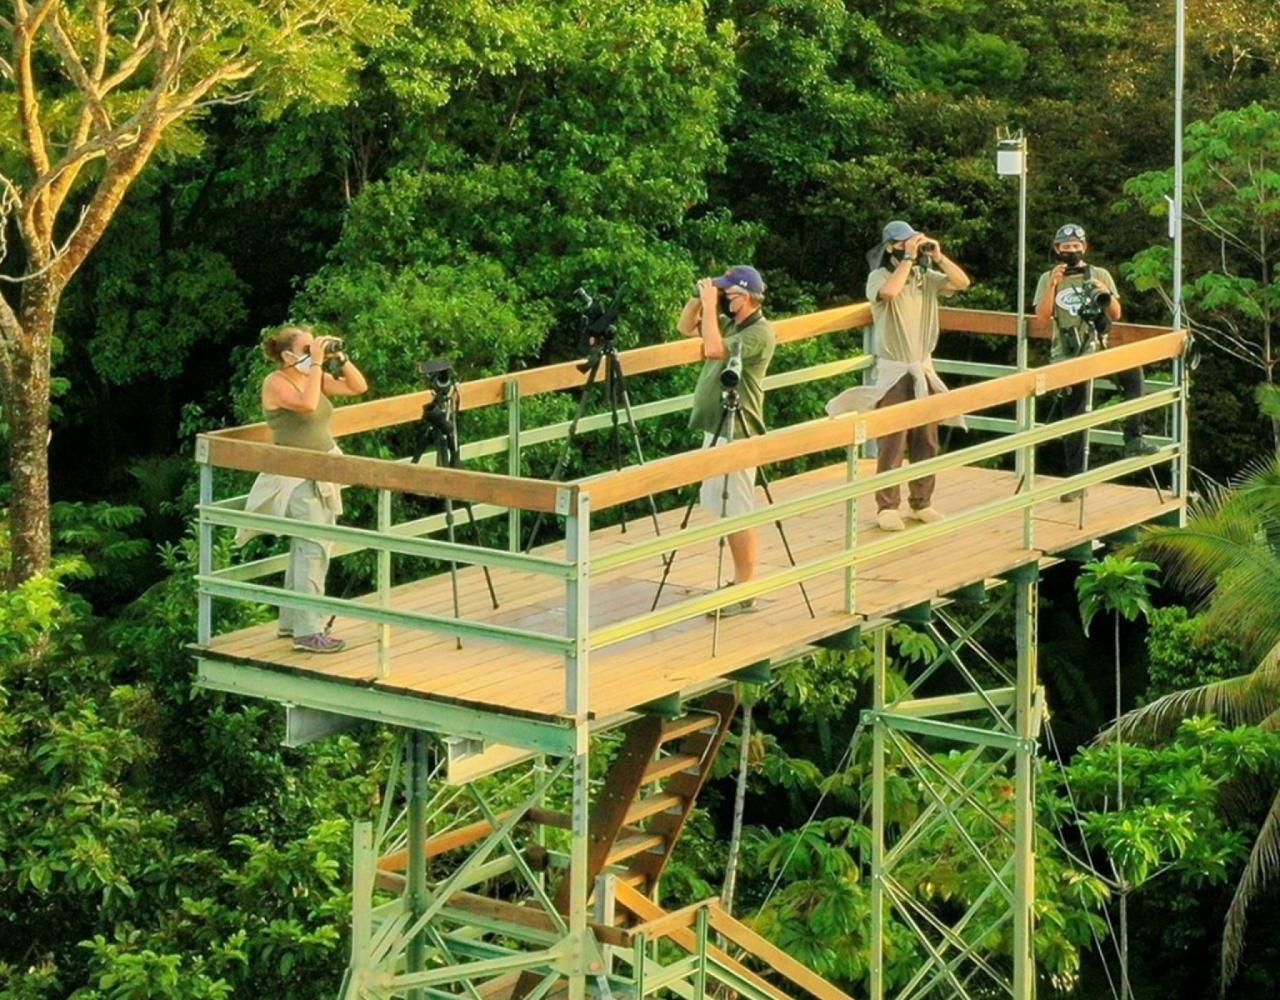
pixel 306 725
pixel 877 819
pixel 363 701
pixel 999 733
pixel 1024 792
pixel 416 887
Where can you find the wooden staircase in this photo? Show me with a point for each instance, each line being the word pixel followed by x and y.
pixel 649 791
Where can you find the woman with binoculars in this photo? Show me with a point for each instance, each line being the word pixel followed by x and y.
pixel 295 402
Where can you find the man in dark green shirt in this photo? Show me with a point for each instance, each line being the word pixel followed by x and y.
pixel 727 315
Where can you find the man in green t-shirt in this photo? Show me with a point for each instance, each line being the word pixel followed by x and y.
pixel 1059 295
pixel 727 315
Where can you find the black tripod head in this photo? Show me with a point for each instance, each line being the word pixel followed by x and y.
pixel 438 426
pixel 599 332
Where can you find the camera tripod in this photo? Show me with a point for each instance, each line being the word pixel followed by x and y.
pixel 602 351
pixel 438 427
pixel 730 408
pixel 1091 344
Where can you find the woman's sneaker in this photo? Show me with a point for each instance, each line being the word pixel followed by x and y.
pixel 318 642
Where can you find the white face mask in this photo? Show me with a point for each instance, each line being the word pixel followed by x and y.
pixel 303 364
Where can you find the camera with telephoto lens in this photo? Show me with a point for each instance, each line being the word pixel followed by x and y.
pixel 731 373
pixel 439 375
pixel 599 327
pixel 1093 301
pixel 335 355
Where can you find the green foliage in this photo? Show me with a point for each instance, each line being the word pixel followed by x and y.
pixel 1119 584
pixel 1232 190
pixel 1174 821
pixel 1182 653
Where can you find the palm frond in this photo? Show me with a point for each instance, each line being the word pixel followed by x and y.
pixel 1263 865
pixel 1237 701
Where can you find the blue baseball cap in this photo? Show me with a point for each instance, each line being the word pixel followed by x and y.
pixel 741 276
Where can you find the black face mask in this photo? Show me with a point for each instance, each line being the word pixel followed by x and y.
pixel 1071 258
pixel 725 306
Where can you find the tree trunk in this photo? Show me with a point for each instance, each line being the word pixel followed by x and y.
pixel 26 408
pixel 25 396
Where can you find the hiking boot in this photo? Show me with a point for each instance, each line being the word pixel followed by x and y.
pixel 318 642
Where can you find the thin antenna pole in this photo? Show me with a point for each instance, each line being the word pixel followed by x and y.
pixel 1179 73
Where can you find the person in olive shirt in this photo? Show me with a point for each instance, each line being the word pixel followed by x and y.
pixel 727 315
pixel 1059 295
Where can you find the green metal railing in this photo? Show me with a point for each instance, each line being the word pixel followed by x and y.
pixel 577 566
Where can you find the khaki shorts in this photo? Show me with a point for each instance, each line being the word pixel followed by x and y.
pixel 742 488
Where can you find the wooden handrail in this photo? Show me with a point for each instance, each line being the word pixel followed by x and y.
pixel 983 321
pixel 800 974
pixel 646 909
pixel 490 391
pixel 614 488
pixel 676 923
pixel 394 410
pixel 457 484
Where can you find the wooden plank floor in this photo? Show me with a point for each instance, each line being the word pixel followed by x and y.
pixel 498 677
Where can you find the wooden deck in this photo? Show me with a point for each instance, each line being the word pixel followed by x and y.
pixel 500 678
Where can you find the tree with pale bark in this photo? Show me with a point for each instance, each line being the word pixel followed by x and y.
pixel 98 88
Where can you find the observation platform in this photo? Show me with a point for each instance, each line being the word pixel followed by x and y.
pixel 574 641
pixel 678 659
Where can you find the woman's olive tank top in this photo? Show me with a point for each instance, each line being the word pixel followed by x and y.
pixel 303 430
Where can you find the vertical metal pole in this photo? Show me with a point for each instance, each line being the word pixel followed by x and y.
pixel 578 547
pixel 512 393
pixel 1024 424
pixel 1181 465
pixel 384 583
pixel 204 603
pixel 1027 456
pixel 416 888
pixel 700 974
pixel 871 448
pixel 850 528
pixel 606 913
pixel 1024 885
pixel 363 866
pixel 877 818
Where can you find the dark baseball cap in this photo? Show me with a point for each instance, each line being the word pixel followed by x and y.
pixel 741 276
pixel 1071 231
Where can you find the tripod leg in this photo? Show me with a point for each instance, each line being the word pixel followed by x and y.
pixel 670 557
pixel 786 545
pixel 684 523
pixel 1088 408
pixel 453 566
pixel 488 578
pixel 625 397
pixel 563 462
pixel 612 378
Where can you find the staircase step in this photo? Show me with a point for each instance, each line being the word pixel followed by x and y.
pixel 549 817
pixel 651 806
pixel 666 766
pixel 633 844
pixel 694 722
